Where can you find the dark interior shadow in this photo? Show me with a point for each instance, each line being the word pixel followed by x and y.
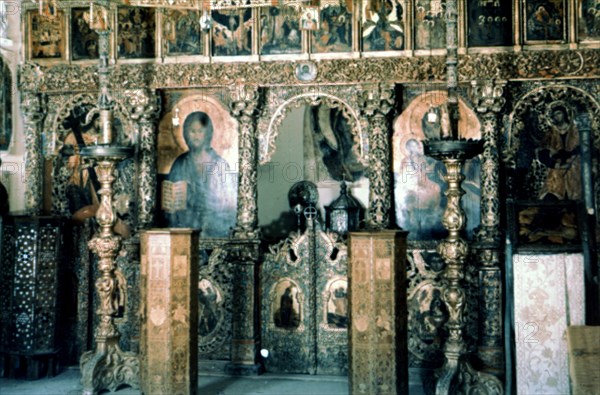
pixel 280 228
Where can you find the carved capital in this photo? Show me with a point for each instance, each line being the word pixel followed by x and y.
pixel 488 95
pixel 143 105
pixel 376 100
pixel 32 106
pixel 245 100
pixel 244 252
pixel 30 77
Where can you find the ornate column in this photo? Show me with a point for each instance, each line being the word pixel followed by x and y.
pixel 244 107
pixel 33 115
pixel 144 106
pixel 376 103
pixel 487 96
pixel 245 101
pixel 245 337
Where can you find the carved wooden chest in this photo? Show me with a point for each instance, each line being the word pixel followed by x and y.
pixel 169 292
pixel 378 355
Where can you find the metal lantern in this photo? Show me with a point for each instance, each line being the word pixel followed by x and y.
pixel 343 214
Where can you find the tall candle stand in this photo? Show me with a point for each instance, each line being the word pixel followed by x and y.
pixel 457 376
pixel 106 367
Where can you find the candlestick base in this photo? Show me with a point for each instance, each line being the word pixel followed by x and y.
pixel 457 376
pixel 108 368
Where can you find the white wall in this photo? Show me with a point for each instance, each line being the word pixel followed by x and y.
pixel 285 169
pixel 12 172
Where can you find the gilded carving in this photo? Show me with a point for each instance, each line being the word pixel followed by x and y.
pixel 245 102
pixel 306 304
pixel 285 91
pixel 33 110
pixel 503 66
pixel 119 368
pixel 489 100
pixel 143 107
pixel 115 366
pixel 215 300
pixel 454 250
pixel 427 313
pixel 376 103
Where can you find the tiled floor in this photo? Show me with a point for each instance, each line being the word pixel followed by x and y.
pixel 67 383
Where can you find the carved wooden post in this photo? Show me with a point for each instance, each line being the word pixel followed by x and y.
pixel 378 353
pixel 376 103
pixel 169 305
pixel 244 254
pixel 144 107
pixel 33 115
pixel 244 106
pixel 489 102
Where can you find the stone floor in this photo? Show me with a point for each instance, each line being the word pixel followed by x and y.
pixel 67 383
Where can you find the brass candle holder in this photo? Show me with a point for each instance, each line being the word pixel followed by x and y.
pixel 106 367
pixel 457 375
pixel 454 250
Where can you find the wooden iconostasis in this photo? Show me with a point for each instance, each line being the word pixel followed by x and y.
pixel 341 29
pixel 534 114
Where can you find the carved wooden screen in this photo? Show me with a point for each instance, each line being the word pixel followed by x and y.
pixel 304 305
pixel 215 295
